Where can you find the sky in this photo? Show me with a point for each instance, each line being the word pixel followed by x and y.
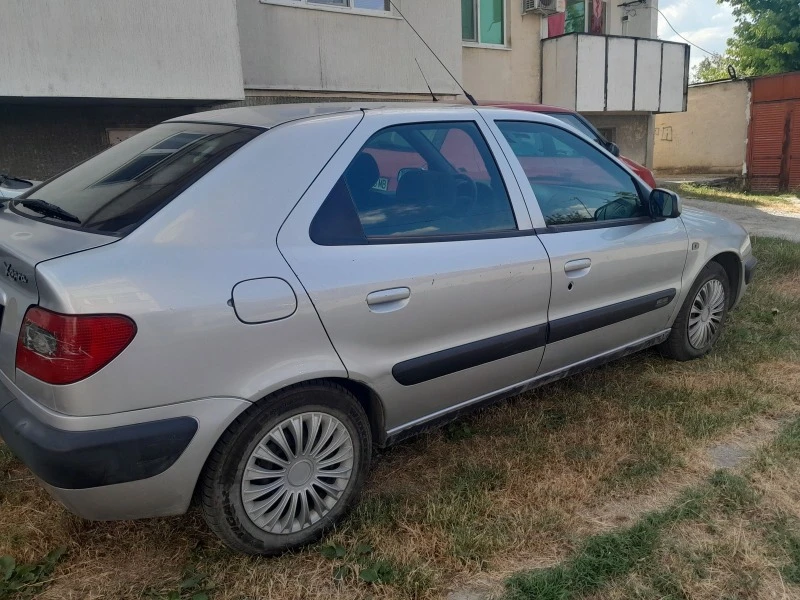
pixel 702 22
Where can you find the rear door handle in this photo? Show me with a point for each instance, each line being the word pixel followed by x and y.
pixel 388 300
pixel 578 268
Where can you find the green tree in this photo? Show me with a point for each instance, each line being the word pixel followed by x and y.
pixel 712 68
pixel 766 38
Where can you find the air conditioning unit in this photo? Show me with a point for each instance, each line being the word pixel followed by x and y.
pixel 544 7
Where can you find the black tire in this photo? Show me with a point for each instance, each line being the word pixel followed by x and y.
pixel 678 346
pixel 220 487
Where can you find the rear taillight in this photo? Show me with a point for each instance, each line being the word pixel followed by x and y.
pixel 61 349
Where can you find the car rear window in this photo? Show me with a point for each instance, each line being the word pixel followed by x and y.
pixel 118 189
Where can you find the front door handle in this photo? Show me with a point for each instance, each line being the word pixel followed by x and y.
pixel 388 300
pixel 578 268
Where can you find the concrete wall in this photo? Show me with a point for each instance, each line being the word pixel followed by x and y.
pixel 167 49
pixel 711 137
pixel 307 48
pixel 39 141
pixel 632 133
pixel 511 73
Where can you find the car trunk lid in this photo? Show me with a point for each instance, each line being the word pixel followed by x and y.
pixel 25 243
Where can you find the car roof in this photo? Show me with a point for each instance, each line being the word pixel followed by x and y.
pixel 537 108
pixel 271 115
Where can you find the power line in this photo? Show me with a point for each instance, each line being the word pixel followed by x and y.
pixel 680 36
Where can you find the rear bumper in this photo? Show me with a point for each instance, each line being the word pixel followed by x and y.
pixel 86 459
pixel 123 466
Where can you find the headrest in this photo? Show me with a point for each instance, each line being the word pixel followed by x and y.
pixel 363 173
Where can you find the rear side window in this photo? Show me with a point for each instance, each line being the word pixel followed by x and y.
pixel 117 190
pixel 418 181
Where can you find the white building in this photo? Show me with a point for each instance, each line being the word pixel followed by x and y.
pixel 79 75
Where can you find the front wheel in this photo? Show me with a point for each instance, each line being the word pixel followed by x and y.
pixel 702 317
pixel 287 470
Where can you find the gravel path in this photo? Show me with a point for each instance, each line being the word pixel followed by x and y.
pixel 767 222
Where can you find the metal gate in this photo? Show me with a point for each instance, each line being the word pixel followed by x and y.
pixel 774 146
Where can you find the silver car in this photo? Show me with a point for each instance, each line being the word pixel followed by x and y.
pixel 236 306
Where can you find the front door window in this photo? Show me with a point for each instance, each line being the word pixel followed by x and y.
pixel 574 182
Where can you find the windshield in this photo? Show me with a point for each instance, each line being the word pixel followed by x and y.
pixel 120 188
pixel 578 124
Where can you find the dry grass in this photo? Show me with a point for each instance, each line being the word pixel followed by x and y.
pixel 789 287
pixel 778 203
pixel 515 486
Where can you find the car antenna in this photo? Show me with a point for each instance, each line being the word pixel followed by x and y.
pixel 422 39
pixel 435 99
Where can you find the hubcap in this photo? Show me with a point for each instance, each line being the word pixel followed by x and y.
pixel 705 317
pixel 297 473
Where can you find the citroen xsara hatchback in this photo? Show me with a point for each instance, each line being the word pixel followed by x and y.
pixel 236 306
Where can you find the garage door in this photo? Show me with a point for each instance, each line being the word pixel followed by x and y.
pixel 767 136
pixel 774 137
pixel 794 149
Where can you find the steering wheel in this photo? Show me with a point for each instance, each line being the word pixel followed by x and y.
pixel 466 192
pixel 616 209
pixel 559 203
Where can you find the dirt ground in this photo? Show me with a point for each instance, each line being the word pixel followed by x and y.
pixel 762 221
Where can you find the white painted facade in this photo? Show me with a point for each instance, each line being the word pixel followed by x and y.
pixel 288 45
pixel 590 73
pixel 146 49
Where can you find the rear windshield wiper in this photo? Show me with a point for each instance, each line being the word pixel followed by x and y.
pixel 47 209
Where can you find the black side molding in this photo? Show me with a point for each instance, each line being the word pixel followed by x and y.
pixel 522 388
pixel 85 459
pixel 452 360
pixel 567 327
pixel 424 368
pixel 749 267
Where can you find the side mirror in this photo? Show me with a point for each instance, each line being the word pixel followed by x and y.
pixel 665 204
pixel 613 148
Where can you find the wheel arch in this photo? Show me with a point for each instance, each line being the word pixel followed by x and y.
pixel 372 405
pixel 732 264
pixel 366 396
pixel 369 400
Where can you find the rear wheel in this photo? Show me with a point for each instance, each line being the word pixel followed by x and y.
pixel 286 470
pixel 702 317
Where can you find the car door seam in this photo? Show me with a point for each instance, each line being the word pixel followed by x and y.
pixel 291 268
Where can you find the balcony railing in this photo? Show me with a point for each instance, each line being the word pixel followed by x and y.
pixel 596 73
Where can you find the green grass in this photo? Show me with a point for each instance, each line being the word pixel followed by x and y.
pixel 633 558
pixel 732 196
pixel 603 558
pixel 26 580
pixel 462 508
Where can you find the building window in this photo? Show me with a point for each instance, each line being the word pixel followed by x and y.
pixel 576 17
pixel 383 5
pixel 582 16
pixel 483 21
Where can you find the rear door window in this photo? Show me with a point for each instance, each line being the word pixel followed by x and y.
pixel 117 190
pixel 417 181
